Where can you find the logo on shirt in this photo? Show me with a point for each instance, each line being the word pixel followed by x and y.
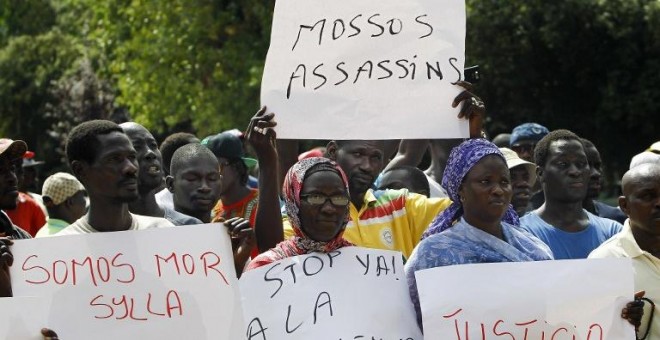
pixel 386 237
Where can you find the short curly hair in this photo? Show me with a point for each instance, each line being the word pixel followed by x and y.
pixel 541 149
pixel 82 144
pixel 172 143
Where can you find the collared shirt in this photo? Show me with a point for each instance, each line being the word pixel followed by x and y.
pixel 52 227
pixel 389 219
pixel 646 269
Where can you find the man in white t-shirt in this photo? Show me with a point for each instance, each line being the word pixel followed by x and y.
pixel 103 159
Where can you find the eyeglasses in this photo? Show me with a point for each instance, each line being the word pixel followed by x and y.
pixel 316 199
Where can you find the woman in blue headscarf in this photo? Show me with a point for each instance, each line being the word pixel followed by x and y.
pixel 481 225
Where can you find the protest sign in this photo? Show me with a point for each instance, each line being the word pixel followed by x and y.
pixel 166 283
pixel 22 318
pixel 552 300
pixel 350 293
pixel 375 69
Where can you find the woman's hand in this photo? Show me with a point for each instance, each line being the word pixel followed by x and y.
pixel 473 109
pixel 260 133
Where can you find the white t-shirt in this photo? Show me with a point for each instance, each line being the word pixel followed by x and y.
pixel 139 222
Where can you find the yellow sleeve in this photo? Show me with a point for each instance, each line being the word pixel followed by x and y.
pixel 421 211
pixel 288 230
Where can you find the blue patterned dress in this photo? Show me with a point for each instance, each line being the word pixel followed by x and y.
pixel 463 243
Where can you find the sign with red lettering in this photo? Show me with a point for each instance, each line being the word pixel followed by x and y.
pixel 375 69
pixel 351 293
pixel 167 283
pixel 22 318
pixel 546 300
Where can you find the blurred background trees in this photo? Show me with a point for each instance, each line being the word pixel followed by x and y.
pixel 591 66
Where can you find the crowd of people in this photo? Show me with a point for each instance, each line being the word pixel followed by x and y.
pixel 531 195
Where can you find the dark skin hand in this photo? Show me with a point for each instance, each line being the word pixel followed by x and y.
pixel 49 334
pixel 242 241
pixel 6 260
pixel 268 221
pixel 473 108
pixel 634 310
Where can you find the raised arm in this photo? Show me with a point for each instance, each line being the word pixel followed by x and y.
pixel 268 222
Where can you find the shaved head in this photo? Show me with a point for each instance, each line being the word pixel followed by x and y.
pixel 641 202
pixel 647 172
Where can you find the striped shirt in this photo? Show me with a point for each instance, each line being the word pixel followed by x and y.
pixel 389 219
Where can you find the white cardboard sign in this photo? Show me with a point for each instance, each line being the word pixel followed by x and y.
pixel 367 69
pixel 167 283
pixel 351 293
pixel 22 318
pixel 553 300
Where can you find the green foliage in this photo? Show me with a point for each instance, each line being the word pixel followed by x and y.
pixel 29 65
pixel 590 66
pixel 198 61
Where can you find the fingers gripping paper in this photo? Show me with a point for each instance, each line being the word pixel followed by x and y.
pixel 569 299
pixel 376 69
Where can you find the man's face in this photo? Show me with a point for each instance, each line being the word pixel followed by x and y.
pixel 196 186
pixel 566 172
pixel 149 158
pixel 520 183
pixel 361 160
pixel 229 174
pixel 525 149
pixel 401 179
pixel 595 172
pixel 113 174
pixel 8 183
pixel 642 202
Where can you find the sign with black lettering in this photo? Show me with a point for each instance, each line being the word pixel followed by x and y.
pixel 351 293
pixel 551 300
pixel 166 283
pixel 369 69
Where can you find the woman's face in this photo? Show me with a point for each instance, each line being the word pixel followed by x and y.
pixel 322 222
pixel 486 191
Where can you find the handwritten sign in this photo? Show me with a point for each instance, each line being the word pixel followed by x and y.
pixel 552 300
pixel 22 318
pixel 376 69
pixel 169 283
pixel 351 293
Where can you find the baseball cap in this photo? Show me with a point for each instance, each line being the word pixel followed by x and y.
pixel 513 160
pixel 60 186
pixel 12 149
pixel 228 145
pixel 655 147
pixel 531 131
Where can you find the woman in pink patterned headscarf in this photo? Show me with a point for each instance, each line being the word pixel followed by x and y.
pixel 316 200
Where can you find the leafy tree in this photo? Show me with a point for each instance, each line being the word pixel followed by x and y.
pixel 198 61
pixel 590 66
pixel 29 65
